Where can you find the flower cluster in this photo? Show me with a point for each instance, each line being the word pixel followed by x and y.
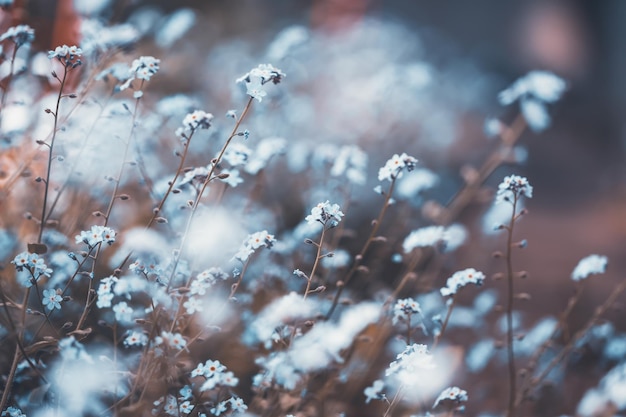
pixel 32 263
pixel 512 187
pixel 142 68
pixel 252 243
pixel 173 340
pixel 196 120
pixel 206 279
pixel 413 358
pixel 394 167
pixel 258 77
pixel 325 213
pixel 460 279
pixel 404 309
pixel 67 55
pixel 236 404
pixel 105 291
pixel 592 264
pixel 533 91
pixel 374 392
pixel 19 35
pixel 215 374
pixel 95 235
pixel 451 398
pixel 13 412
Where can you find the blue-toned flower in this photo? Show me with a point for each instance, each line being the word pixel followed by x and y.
pixel 185 407
pixel 142 68
pixel 51 299
pixel 326 214
pixel 424 237
pixel 13 412
pixel 252 243
pixel 97 234
pixel 533 91
pixel 173 340
pixel 32 263
pixel 394 167
pixel 460 279
pixel 123 312
pixel 374 392
pixel 67 55
pixel 451 398
pixel 237 405
pixel 192 305
pixel 256 79
pixel 590 265
pixel 513 187
pixel 415 357
pixel 135 338
pixel 230 177
pixel 19 35
pixel 404 309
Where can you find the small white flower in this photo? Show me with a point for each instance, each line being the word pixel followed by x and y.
pixel 374 392
pixel 452 397
pixel 326 214
pixel 512 187
pixel 394 167
pixel 460 279
pixel 424 237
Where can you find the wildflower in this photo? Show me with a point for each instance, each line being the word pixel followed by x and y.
pixel 105 291
pixel 185 407
pixel 460 279
pixel 123 312
pixel 209 369
pixel 32 263
pixel 424 237
pixel 253 242
pixel 51 299
pixel 219 408
pixel 374 392
pixel 533 91
pixel 192 305
pixel 67 55
pixel 592 264
pixel 173 340
pixel 452 397
pixel 142 68
pixel 237 405
pixel 404 309
pixel 230 177
pixel 394 167
pixel 351 162
pixel 13 412
pixel 197 120
pixel 135 338
pixel 325 213
pixel 237 154
pixel 19 35
pixel 258 77
pixel 513 187
pixel 415 357
pixel 96 235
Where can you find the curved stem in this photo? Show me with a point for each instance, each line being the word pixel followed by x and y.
pixel 445 322
pixel 509 312
pixel 315 264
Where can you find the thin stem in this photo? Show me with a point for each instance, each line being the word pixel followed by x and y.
pixel 509 311
pixel 359 258
pixel 50 149
pixel 315 264
pixel 445 322
pixel 16 356
pixel 3 101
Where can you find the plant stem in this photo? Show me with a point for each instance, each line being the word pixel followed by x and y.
pixel 50 150
pixel 509 311
pixel 359 258
pixel 315 264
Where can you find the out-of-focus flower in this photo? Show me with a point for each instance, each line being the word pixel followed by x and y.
pixel 592 264
pixel 19 35
pixel 533 91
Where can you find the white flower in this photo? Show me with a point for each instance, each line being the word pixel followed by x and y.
pixel 452 397
pixel 404 309
pixel 395 165
pixel 533 91
pixel 592 264
pixel 424 237
pixel 326 214
pixel 231 177
pixel 374 392
pixel 20 35
pixel 460 279
pixel 258 77
pixel 253 242
pixel 51 299
pixel 513 187
pixel 414 358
